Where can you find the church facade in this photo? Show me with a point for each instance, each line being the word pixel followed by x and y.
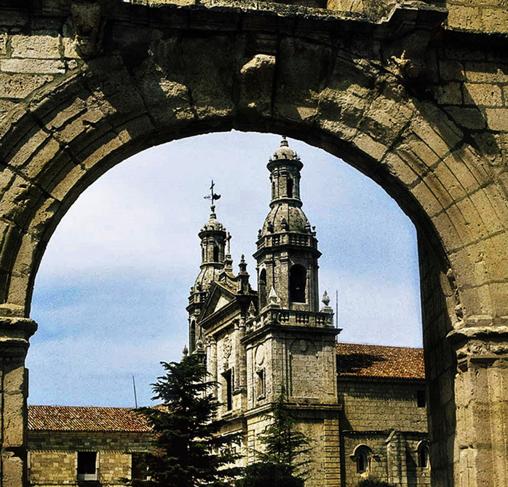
pixel 282 337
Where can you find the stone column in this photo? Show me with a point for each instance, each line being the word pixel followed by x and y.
pixel 481 395
pixel 14 336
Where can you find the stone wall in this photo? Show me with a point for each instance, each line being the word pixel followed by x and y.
pixel 53 456
pixel 321 428
pixel 374 405
pixel 393 460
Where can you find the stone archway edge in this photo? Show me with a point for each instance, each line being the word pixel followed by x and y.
pixel 414 106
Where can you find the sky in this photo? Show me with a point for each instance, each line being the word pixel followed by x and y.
pixel 112 288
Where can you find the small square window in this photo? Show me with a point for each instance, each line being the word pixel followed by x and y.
pixel 87 465
pixel 421 400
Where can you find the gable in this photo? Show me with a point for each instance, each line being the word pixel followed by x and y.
pixel 221 302
pixel 218 298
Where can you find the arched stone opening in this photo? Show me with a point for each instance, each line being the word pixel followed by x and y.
pixel 70 132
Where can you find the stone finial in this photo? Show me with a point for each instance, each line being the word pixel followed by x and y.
pixel 242 265
pixel 273 299
pixel 327 308
pixel 185 351
pixel 252 310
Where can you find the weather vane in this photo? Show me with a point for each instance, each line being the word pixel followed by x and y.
pixel 212 197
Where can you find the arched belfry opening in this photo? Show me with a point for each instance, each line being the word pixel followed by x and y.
pixel 297 284
pixel 438 154
pixel 262 288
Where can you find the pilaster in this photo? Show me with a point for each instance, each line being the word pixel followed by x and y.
pixel 14 341
pixel 481 396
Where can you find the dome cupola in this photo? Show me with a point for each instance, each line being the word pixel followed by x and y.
pixel 213 236
pixel 287 250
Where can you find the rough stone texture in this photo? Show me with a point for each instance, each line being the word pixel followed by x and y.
pixel 412 99
pixel 53 455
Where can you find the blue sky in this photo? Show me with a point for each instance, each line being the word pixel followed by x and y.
pixel 112 288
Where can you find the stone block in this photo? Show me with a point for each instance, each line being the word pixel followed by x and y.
pixel 12 470
pixel 495 20
pixel 20 85
pixel 22 154
pixel 469 118
pixel 449 94
pixel 40 66
pixel 3 43
pixel 13 419
pixel 497 119
pixel 464 18
pixel 486 72
pixel 482 94
pixel 450 70
pixel 37 46
pixel 256 77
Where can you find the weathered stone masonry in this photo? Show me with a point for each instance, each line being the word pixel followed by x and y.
pixel 412 94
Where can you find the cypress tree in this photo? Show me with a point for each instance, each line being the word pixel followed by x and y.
pixel 188 450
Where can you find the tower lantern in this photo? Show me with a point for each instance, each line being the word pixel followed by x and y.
pixel 287 253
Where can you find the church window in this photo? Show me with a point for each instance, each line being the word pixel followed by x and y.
pixel 261 384
pixel 420 398
pixel 289 187
pixel 262 289
pixel 423 455
pixel 362 457
pixel 297 283
pixel 87 465
pixel 228 379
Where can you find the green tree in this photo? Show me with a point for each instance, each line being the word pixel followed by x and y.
pixel 284 460
pixel 268 474
pixel 189 452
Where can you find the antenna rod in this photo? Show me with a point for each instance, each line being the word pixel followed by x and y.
pixel 135 395
pixel 336 308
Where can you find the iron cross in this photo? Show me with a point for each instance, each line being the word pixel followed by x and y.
pixel 212 196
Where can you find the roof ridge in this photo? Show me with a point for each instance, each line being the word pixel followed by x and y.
pixel 378 345
pixel 76 407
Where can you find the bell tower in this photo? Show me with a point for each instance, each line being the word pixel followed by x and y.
pixel 214 239
pixel 287 254
pixel 290 340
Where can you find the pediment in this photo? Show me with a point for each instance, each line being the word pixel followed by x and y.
pixel 222 301
pixel 218 298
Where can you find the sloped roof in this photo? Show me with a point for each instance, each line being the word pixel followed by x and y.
pixel 357 360
pixel 85 418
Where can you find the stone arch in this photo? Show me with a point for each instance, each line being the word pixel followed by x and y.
pixel 297 284
pixel 422 454
pixel 160 83
pixel 362 456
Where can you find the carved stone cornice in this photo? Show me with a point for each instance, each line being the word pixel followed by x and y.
pixel 480 345
pixel 15 334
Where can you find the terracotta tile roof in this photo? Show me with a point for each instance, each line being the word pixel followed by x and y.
pixel 356 360
pixel 85 418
